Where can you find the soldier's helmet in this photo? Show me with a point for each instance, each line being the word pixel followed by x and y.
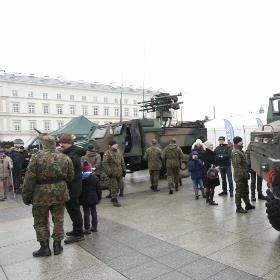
pixel 48 142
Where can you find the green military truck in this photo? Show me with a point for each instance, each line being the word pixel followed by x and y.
pixel 265 158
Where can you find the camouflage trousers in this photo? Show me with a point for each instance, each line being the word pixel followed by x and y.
pixel 115 185
pixel 173 177
pixel 241 192
pixel 42 224
pixel 154 176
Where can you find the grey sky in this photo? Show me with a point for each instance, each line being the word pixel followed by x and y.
pixel 215 52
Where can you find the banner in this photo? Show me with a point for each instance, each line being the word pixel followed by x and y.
pixel 229 130
pixel 259 122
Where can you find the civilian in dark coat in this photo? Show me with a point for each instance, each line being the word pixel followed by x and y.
pixel 90 196
pixel 212 181
pixel 75 188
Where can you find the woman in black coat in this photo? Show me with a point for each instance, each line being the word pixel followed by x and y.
pixel 90 197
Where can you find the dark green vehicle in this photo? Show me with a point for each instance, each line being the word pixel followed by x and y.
pixel 265 158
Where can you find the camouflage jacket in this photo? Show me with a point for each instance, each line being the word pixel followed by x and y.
pixel 153 156
pixel 240 166
pixel 172 156
pixel 93 158
pixel 45 180
pixel 113 163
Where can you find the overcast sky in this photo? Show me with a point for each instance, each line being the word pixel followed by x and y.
pixel 216 52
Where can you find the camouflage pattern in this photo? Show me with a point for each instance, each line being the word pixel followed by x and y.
pixel 46 166
pixel 240 167
pixel 114 166
pixel 41 221
pixel 172 156
pixel 153 157
pixel 113 163
pixel 154 177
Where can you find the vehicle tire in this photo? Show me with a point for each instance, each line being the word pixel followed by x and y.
pixel 184 172
pixel 273 210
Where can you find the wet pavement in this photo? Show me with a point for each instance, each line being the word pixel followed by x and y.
pixel 152 236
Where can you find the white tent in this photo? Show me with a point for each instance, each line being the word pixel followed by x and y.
pixel 234 126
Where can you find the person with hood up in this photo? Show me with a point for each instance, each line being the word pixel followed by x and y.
pixel 172 156
pixel 75 153
pixel 196 169
pixel 90 197
pixel 94 158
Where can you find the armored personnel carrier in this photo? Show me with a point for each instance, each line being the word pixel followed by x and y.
pixel 265 158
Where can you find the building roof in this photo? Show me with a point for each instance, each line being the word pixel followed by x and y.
pixel 59 82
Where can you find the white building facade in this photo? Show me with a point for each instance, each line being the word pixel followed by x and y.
pixel 28 102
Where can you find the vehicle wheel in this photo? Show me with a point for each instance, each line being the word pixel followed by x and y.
pixel 273 210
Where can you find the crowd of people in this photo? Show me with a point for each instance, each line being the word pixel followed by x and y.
pixel 69 177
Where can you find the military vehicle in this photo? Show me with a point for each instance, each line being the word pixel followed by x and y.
pixel 135 136
pixel 265 158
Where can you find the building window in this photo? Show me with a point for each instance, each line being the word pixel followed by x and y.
pixel 84 98
pixel 32 125
pixel 135 112
pixel 47 125
pixel 15 107
pixel 31 108
pixel 126 112
pixel 95 111
pixel 58 96
pixel 95 99
pixel 72 97
pixel 106 111
pixel 46 109
pixel 59 109
pixel 30 94
pixel 85 110
pixel 116 101
pixel 45 95
pixel 135 102
pixel 105 99
pixel 17 125
pixel 125 101
pixel 72 109
pixel 59 124
pixel 14 93
pixel 117 112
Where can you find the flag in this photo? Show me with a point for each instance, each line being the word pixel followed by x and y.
pixel 229 130
pixel 259 122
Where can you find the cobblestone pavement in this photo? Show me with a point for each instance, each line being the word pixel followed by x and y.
pixel 152 236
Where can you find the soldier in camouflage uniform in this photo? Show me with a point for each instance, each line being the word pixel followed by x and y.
pixel 46 189
pixel 153 156
pixel 241 176
pixel 114 167
pixel 172 156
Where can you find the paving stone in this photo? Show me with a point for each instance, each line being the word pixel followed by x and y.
pixel 252 256
pixel 127 235
pixel 128 261
pixel 173 275
pixel 98 271
pixel 178 258
pixel 202 269
pixel 146 271
pixel 142 242
pixel 71 260
pixel 2 274
pixel 159 249
pixel 233 274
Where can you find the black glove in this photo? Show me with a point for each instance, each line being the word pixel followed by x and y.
pixel 124 173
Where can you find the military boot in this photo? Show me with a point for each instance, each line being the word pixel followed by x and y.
pixel 44 250
pixel 241 210
pixel 121 193
pixel 115 202
pixel 57 248
pixel 176 188
pixel 249 206
pixel 261 196
pixel 156 189
pixel 170 191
